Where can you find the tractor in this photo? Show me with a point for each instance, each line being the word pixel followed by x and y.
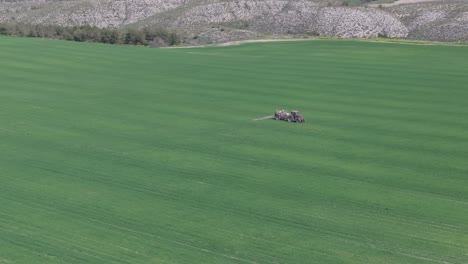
pixel 295 116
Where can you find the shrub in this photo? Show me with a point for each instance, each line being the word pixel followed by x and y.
pixel 152 36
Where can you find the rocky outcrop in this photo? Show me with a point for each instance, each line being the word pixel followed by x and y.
pixel 446 21
pixel 227 20
pixel 101 13
pixel 362 23
pixel 293 17
pixel 270 16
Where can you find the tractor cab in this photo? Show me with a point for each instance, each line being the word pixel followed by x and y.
pixel 296 117
pixel 295 113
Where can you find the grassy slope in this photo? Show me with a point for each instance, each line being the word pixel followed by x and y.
pixel 134 155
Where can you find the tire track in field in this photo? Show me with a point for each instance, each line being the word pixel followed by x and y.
pixel 161 194
pixel 21 224
pixel 182 198
pixel 144 167
pixel 344 236
pixel 204 205
pixel 105 176
pixel 37 246
pixel 135 231
pixel 119 227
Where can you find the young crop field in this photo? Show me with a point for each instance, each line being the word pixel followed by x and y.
pixel 118 154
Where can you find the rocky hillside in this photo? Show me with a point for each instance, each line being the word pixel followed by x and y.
pixel 204 21
pixel 434 20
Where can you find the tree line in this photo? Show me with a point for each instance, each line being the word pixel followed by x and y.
pixel 148 36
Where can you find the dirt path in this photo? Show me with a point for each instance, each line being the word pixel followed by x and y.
pixel 240 42
pixel 233 43
pixel 408 42
pixel 402 2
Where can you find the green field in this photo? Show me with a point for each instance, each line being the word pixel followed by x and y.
pixel 117 154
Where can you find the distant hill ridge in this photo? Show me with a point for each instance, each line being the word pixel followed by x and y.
pixel 207 21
